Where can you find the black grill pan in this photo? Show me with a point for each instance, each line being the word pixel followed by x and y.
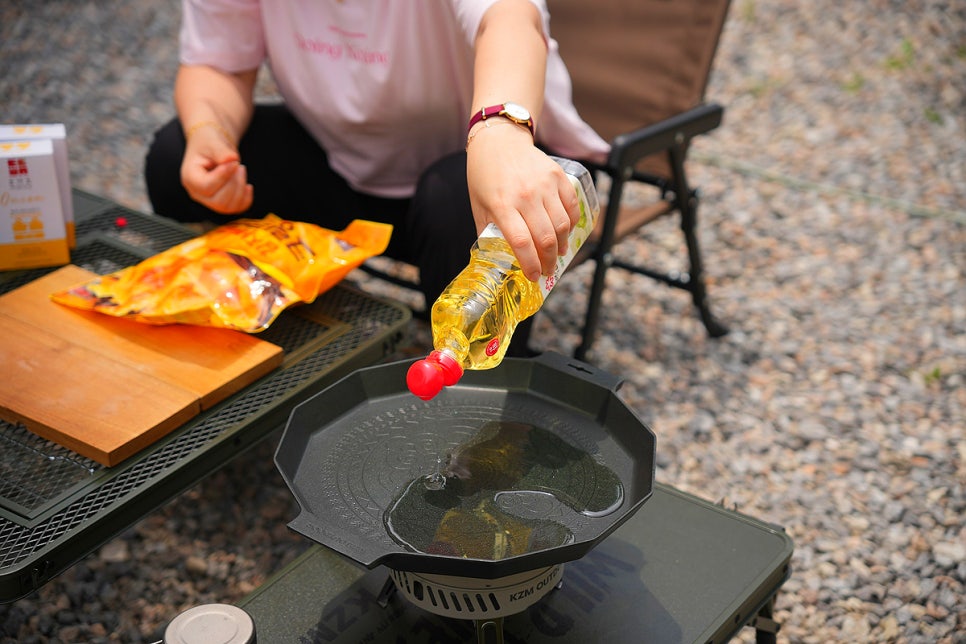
pixel 351 450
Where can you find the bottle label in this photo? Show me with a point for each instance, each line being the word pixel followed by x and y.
pixel 581 231
pixel 492 347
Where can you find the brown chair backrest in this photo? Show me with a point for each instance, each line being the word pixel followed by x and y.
pixel 637 62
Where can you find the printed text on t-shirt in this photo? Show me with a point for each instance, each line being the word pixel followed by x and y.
pixel 338 51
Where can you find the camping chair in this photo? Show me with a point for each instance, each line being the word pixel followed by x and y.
pixel 639 70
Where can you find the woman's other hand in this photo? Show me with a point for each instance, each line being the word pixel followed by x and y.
pixel 212 172
pixel 215 108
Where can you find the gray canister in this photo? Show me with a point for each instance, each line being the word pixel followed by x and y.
pixel 211 624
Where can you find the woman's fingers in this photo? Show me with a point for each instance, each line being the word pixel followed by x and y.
pixel 222 187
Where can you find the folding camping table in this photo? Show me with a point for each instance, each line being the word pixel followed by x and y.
pixel 679 570
pixel 57 506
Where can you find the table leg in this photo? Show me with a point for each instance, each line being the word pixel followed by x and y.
pixel 765 627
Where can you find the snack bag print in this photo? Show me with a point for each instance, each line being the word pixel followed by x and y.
pixel 237 276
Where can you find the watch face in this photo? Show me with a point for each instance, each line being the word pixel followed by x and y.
pixel 516 112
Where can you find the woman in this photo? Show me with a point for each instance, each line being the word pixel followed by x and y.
pixel 424 115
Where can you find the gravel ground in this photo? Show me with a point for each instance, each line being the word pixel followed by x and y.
pixel 834 228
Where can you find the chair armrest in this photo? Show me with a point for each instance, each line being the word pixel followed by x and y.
pixel 628 149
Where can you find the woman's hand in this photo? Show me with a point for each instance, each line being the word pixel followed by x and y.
pixel 523 191
pixel 512 183
pixel 211 171
pixel 215 108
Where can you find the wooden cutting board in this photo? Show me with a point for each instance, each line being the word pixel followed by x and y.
pixel 107 387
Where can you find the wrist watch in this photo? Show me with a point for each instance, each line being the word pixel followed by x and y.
pixel 513 111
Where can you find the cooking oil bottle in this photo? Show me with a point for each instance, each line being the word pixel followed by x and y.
pixel 475 316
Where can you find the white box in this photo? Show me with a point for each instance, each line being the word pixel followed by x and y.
pixel 57 133
pixel 32 229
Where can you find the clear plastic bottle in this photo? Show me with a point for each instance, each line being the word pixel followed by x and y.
pixel 475 316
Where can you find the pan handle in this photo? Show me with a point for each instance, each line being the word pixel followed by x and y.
pixel 573 366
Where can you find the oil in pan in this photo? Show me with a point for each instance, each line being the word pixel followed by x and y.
pixel 509 490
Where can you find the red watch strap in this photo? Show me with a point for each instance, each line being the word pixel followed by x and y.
pixel 483 114
pixel 494 110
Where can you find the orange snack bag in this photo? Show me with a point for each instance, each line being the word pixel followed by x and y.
pixel 238 276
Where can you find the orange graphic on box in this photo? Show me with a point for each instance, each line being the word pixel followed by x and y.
pixel 33 129
pixel 19 145
pixel 27 230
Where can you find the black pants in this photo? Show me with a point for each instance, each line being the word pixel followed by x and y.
pixel 291 177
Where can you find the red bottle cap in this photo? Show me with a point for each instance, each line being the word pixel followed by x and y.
pixel 428 376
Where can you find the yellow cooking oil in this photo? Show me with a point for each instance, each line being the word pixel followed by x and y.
pixel 475 316
pixel 510 489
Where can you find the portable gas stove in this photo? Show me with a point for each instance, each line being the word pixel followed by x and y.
pixel 485 601
pixel 680 570
pixel 476 499
pixel 454 520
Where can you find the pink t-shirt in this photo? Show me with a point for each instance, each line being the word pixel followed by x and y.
pixel 383 85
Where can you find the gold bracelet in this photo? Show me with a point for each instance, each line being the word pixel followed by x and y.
pixel 215 124
pixel 487 123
